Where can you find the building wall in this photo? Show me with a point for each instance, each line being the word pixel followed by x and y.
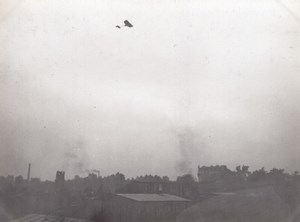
pixel 185 190
pixel 126 210
pixel 212 173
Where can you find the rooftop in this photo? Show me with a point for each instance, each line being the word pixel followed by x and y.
pixel 47 218
pixel 147 197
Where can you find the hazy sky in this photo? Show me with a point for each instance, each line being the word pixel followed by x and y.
pixel 193 82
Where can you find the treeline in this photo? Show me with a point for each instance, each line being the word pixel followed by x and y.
pixel 217 178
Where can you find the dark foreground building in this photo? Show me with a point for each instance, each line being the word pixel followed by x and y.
pixel 146 207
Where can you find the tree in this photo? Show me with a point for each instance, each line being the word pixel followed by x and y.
pixel 258 175
pixel 186 178
pixel 165 179
pixel 276 176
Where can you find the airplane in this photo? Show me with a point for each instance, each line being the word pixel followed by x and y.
pixel 126 24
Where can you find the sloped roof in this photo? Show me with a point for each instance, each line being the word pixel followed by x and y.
pixel 47 218
pixel 148 197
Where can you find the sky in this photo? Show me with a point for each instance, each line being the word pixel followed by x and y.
pixel 194 82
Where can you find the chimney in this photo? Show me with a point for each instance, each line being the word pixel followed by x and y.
pixel 28 174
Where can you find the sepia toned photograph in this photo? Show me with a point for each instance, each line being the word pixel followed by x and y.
pixel 149 111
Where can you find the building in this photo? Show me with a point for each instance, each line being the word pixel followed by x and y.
pixel 145 207
pixel 185 190
pixel 169 187
pixel 212 173
pixel 43 218
pixel 60 180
